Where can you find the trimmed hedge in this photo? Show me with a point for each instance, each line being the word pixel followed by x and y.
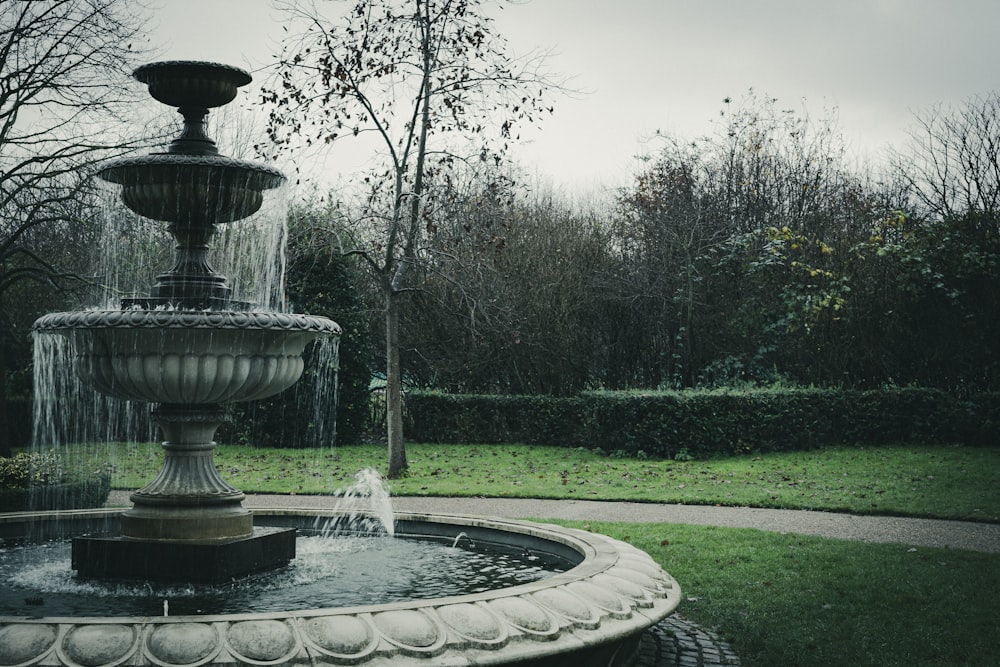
pixel 82 494
pixel 36 481
pixel 702 423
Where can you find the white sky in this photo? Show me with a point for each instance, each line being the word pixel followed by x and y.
pixel 667 65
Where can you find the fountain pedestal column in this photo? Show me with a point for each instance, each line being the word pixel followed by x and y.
pixel 188 500
pixel 194 521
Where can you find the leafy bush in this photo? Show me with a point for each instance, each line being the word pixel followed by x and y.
pixel 705 423
pixel 438 417
pixel 27 469
pixel 38 481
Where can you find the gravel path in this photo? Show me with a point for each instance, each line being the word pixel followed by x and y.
pixel 914 532
pixel 967 535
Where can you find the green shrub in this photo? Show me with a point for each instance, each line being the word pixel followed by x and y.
pixel 79 494
pixel 700 424
pixel 37 481
pixel 27 469
pixel 438 417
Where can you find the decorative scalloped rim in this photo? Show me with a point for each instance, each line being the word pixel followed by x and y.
pixel 287 624
pixel 602 555
pixel 270 176
pixel 161 64
pixel 183 319
pixel 64 652
pixel 151 655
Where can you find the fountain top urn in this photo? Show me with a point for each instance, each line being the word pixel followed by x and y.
pixel 191 184
pixel 192 83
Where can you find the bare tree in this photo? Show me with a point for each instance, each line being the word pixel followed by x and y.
pixel 515 305
pixel 717 237
pixel 945 242
pixel 952 163
pixel 422 77
pixel 63 66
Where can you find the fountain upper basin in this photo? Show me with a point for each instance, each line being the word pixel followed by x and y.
pixel 187 357
pixel 191 190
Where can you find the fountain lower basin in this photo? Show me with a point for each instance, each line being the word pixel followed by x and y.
pixel 593 614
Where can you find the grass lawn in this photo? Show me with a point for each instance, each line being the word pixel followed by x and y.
pixel 943 482
pixel 778 599
pixel 794 600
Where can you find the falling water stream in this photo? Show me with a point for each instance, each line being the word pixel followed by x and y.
pixel 132 250
pixel 71 417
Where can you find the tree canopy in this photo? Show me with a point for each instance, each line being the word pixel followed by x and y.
pixel 432 82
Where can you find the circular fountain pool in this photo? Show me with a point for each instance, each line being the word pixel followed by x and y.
pixel 341 571
pixel 593 613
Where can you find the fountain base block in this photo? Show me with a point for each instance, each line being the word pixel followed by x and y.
pixel 113 557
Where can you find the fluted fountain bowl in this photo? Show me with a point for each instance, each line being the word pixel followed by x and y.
pixel 187 357
pixel 185 83
pixel 191 190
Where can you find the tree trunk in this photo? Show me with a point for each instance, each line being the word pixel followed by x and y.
pixel 6 437
pixel 393 389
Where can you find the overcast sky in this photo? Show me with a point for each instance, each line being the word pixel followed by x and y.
pixel 667 65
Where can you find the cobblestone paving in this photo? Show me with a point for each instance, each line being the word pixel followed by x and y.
pixel 676 642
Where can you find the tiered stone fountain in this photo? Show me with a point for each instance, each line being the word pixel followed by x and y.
pixel 189 349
